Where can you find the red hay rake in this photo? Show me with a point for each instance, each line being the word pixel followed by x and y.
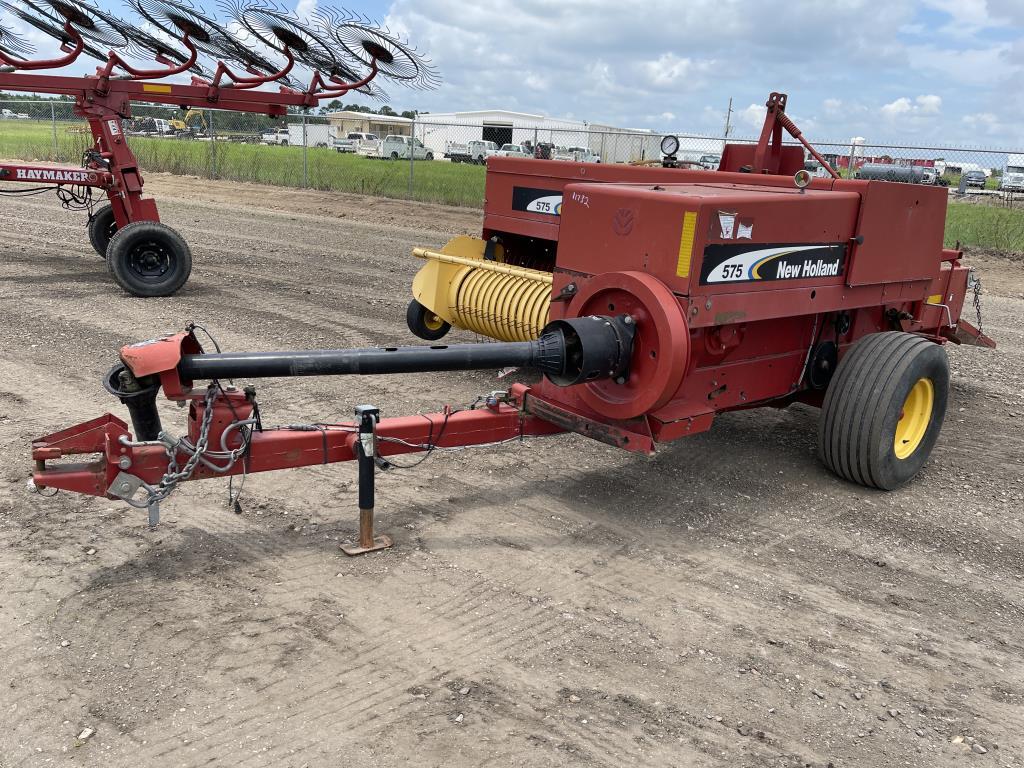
pixel 325 57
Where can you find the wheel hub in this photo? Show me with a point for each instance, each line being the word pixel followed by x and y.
pixel 915 417
pixel 150 260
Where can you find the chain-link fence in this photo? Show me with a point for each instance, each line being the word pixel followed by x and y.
pixel 444 162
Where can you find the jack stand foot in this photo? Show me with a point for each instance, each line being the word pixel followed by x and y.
pixel 154 515
pixel 381 541
pixel 367 541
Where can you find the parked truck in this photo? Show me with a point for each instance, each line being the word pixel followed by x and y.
pixel 356 140
pixel 1013 176
pixel 399 148
pixel 576 155
pixel 296 134
pixel 475 152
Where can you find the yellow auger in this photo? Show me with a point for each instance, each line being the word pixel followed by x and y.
pixel 460 287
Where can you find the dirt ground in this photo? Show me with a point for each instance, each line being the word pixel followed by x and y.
pixel 727 602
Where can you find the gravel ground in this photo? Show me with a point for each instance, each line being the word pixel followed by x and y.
pixel 726 602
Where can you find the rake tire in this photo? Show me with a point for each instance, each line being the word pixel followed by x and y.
pixel 102 227
pixel 149 259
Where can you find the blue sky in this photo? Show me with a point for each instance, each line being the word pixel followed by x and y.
pixel 936 71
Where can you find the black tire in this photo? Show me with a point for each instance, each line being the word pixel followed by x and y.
pixel 394 155
pixel 284 143
pixel 102 227
pixel 147 258
pixel 424 323
pixel 869 403
pixel 430 155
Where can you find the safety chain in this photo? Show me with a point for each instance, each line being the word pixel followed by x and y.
pixel 977 300
pixel 173 476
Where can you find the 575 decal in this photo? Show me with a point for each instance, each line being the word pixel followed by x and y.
pixel 745 263
pixel 532 200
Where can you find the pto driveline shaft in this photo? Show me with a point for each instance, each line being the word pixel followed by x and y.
pixel 335 362
pixel 568 352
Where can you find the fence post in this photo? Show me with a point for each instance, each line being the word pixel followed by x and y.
pixel 305 154
pixel 53 126
pixel 412 155
pixel 213 146
pixel 849 166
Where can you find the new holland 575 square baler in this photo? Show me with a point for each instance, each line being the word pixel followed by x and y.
pixel 652 299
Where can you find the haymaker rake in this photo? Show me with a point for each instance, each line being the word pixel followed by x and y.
pixel 325 57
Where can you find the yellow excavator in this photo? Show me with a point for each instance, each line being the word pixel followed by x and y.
pixel 193 124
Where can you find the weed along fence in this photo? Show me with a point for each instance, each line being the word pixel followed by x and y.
pixel 444 165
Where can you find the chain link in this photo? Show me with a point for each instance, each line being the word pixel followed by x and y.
pixel 173 476
pixel 977 300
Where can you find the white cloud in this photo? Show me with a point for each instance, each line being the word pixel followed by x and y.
pixel 983 122
pixel 903 107
pixel 752 117
pixel 669 70
pixel 305 9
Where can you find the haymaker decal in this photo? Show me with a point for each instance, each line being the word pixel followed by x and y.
pixel 40 174
pixel 537 201
pixel 748 263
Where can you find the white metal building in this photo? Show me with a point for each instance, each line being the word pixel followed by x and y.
pixel 347 121
pixel 503 126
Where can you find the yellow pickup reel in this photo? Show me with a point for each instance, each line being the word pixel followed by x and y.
pixel 466 285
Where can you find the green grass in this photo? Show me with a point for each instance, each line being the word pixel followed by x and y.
pixel 985 226
pixel 433 181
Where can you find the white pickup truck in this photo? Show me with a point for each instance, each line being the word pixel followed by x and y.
pixel 7 114
pixel 513 150
pixel 576 155
pixel 475 152
pixel 355 140
pixel 400 147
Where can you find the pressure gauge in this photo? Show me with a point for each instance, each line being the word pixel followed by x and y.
pixel 669 145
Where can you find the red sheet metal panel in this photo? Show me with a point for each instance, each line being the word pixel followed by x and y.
pixel 525 196
pixel 902 226
pixel 689 234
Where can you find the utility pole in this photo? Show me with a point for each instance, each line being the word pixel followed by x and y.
pixel 728 119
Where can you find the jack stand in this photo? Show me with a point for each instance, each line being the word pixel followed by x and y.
pixel 368 417
pixel 154 515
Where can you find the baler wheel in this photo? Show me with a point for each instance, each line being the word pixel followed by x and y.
pixel 424 323
pixel 884 408
pixel 102 227
pixel 148 258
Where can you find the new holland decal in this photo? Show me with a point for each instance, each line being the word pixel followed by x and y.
pixel 749 263
pixel 544 201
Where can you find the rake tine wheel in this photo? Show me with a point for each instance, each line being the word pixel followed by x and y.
pixel 54 27
pixel 92 24
pixel 13 46
pixel 369 45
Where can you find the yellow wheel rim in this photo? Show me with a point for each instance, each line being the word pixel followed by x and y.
pixel 432 321
pixel 914 418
